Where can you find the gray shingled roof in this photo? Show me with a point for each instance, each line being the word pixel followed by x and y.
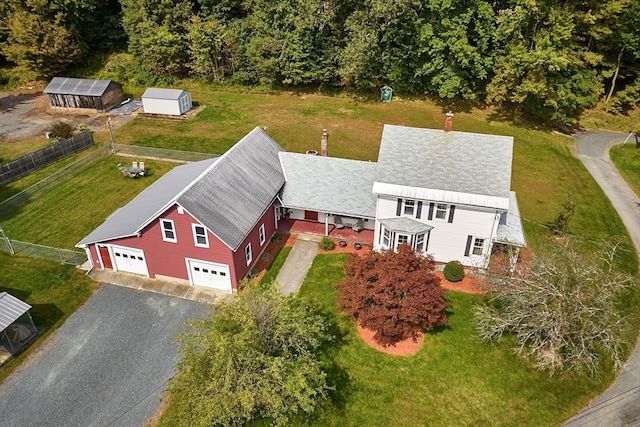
pixel 73 86
pixel 458 162
pixel 230 199
pixel 11 308
pixel 329 184
pixel 130 219
pixel 405 224
pixel 510 226
pixel 161 93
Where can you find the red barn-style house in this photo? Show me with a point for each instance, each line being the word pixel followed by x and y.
pixel 206 222
pixel 445 193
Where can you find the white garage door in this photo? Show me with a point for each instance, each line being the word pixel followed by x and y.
pixel 131 260
pixel 209 274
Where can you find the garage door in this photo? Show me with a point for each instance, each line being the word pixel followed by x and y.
pixel 131 260
pixel 209 274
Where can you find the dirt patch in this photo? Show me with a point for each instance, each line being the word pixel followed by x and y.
pixel 28 115
pixel 470 284
pixel 406 347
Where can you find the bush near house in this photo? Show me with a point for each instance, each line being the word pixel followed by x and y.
pixel 453 271
pixel 327 244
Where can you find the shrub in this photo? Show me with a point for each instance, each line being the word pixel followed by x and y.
pixel 453 271
pixel 327 244
pixel 61 130
pixel 395 294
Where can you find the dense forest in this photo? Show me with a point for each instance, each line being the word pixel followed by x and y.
pixel 551 57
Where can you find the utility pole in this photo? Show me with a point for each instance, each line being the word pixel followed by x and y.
pixel 113 146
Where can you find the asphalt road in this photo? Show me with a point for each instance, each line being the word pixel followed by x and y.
pixel 106 366
pixel 620 404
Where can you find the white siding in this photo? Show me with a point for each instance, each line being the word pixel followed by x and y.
pixel 172 107
pixel 447 241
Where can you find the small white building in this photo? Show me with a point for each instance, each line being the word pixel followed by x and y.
pixel 172 102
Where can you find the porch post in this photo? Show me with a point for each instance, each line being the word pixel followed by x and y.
pixel 326 224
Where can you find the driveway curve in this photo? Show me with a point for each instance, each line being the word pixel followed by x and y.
pixel 107 365
pixel 620 404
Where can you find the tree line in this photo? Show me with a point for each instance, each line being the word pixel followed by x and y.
pixel 550 57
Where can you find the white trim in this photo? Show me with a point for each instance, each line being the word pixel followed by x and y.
pixel 248 254
pixel 173 230
pixel 262 236
pixel 453 197
pixel 196 235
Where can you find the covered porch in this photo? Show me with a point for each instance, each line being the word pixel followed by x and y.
pixel 294 226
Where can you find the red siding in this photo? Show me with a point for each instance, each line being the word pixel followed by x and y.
pixel 168 258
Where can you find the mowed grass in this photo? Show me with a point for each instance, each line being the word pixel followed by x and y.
pixel 626 157
pixel 72 210
pixel 454 379
pixel 54 291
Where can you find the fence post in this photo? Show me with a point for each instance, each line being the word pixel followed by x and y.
pixel 9 245
pixel 60 255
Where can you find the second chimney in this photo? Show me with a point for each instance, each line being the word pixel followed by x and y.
pixel 324 143
pixel 448 122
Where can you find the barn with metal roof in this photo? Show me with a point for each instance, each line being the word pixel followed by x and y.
pixel 100 95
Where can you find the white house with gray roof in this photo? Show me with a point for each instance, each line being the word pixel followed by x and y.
pixel 445 193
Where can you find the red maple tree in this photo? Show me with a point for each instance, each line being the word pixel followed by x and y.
pixel 394 293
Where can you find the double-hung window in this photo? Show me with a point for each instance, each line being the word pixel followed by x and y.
pixel 262 235
pixel 441 210
pixel 409 207
pixel 478 246
pixel 168 231
pixel 419 243
pixel 200 236
pixel 247 253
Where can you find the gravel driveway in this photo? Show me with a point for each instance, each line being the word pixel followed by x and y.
pixel 106 366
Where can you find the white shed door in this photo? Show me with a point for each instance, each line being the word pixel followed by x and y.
pixel 131 260
pixel 210 274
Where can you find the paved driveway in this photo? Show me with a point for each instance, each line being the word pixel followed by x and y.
pixel 106 366
pixel 620 404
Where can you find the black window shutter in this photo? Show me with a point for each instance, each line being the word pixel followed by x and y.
pixel 466 251
pixel 431 206
pixel 426 243
pixel 452 209
pixel 399 208
pixel 419 210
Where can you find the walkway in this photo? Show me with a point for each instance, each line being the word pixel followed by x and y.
pixel 620 404
pixel 297 264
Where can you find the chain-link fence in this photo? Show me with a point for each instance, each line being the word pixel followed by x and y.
pixel 64 256
pixel 18 201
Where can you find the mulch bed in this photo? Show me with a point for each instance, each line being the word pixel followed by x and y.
pixel 403 348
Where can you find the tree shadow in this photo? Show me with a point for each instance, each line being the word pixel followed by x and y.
pixel 10 102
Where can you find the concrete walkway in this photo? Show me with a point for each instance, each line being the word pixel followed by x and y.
pixel 297 264
pixel 620 404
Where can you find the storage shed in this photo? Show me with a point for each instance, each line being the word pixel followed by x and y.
pixel 67 92
pixel 172 102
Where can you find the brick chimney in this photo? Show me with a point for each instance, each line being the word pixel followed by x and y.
pixel 448 122
pixel 324 143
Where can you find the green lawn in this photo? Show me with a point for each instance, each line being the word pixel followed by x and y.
pixel 453 380
pixel 54 291
pixel 627 159
pixel 80 204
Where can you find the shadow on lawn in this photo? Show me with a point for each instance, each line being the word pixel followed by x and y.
pixel 44 315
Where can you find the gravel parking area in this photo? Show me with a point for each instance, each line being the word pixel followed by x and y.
pixel 106 366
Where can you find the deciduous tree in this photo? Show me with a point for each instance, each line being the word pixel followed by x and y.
pixel 563 310
pixel 254 357
pixel 394 293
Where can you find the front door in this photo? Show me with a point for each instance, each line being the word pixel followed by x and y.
pixel 311 215
pixel 106 258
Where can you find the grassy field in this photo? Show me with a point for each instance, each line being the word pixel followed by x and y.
pixel 453 380
pixel 54 291
pixel 627 159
